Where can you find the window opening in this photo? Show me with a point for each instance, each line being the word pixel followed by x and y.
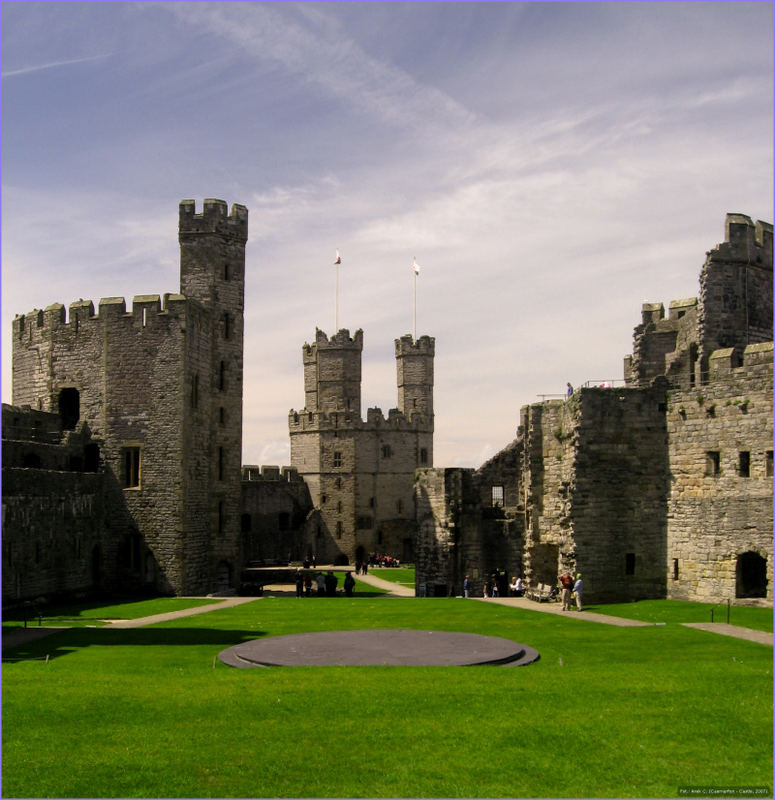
pixel 69 408
pixel 629 563
pixel 497 496
pixel 131 467
pixel 744 466
pixel 337 458
pixel 712 462
pixel 769 464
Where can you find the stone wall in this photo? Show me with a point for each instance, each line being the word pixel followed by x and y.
pixel 53 511
pixel 276 511
pixel 720 450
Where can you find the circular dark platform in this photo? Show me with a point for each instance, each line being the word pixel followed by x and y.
pixel 403 648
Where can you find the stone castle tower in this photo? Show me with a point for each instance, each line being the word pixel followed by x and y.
pixel 159 390
pixel 360 474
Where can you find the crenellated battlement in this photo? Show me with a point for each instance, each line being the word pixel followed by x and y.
pixel 215 218
pixel 146 310
pixel 757 359
pixel 408 346
pixel 315 421
pixel 252 472
pixel 745 241
pixel 341 339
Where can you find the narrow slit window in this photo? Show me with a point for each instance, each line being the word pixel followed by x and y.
pixel 744 464
pixel 131 467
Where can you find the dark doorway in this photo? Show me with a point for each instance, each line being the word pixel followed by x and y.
pixel 359 554
pixel 751 575
pixel 69 408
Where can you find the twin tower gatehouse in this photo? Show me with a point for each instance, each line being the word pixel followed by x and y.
pixel 360 473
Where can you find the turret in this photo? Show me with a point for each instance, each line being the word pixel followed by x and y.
pixel 212 253
pixel 332 372
pixel 414 365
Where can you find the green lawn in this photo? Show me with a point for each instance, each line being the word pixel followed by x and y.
pixel 95 613
pixel 402 575
pixel 677 611
pixel 605 712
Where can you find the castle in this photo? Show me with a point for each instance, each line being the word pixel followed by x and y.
pixel 660 487
pixel 121 451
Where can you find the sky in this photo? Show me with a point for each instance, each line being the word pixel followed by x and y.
pixel 551 167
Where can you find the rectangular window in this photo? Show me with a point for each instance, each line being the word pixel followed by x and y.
pixel 712 462
pixel 131 467
pixel 337 458
pixel 338 530
pixel 675 569
pixel 744 465
pixel 364 523
pixel 497 496
pixel 629 563
pixel 195 391
pixel 423 455
pixel 220 463
pixel 226 326
pixel 222 376
pixel 387 451
pixel 769 464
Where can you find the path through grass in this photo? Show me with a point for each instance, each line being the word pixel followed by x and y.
pixel 606 712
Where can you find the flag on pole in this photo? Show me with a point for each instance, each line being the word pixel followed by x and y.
pixel 338 258
pixel 416 267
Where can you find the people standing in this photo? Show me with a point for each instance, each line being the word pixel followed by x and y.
pixel 330 584
pixel 321 582
pixel 566 581
pixel 520 587
pixel 299 584
pixel 578 588
pixel 308 585
pixel 349 583
pixel 467 586
pixel 570 390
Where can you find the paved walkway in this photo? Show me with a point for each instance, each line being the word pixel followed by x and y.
pixel 749 634
pixel 556 608
pixel 393 589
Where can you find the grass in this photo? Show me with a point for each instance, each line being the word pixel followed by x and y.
pixel 677 611
pixel 81 614
pixel 606 712
pixel 402 575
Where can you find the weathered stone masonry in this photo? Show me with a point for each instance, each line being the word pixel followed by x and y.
pixel 160 390
pixel 360 473
pixel 660 488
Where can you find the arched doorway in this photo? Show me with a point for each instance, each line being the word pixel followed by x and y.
pixel 751 575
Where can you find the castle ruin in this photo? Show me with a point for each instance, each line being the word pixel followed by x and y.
pixel 122 449
pixel 658 487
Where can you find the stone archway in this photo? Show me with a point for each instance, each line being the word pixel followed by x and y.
pixel 751 575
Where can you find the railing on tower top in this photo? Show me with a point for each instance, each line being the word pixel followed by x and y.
pixel 608 383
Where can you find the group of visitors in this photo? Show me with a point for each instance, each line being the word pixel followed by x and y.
pixel 325 585
pixel 570 588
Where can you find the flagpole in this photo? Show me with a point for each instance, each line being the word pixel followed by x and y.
pixel 415 307
pixel 336 318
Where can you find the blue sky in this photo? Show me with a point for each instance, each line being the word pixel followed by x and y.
pixel 552 166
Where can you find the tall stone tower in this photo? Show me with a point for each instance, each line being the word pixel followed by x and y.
pixel 159 388
pixel 212 272
pixel 361 473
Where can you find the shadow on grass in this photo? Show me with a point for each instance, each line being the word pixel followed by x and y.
pixel 64 642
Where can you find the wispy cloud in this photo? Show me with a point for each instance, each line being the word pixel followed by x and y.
pixel 53 65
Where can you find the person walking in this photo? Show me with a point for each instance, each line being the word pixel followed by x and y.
pixel 566 581
pixel 467 587
pixel 578 588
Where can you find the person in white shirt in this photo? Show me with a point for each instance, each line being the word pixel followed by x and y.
pixel 578 588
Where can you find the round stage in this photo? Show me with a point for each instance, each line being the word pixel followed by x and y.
pixel 400 648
